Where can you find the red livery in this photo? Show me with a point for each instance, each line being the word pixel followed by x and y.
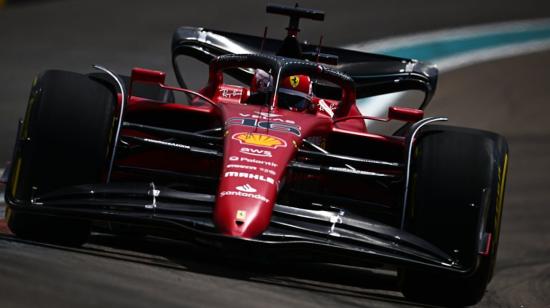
pixel 314 153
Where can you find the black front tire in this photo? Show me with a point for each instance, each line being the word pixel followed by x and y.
pixel 64 141
pixel 457 188
pixel 49 229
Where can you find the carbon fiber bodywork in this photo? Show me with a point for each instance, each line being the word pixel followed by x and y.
pixel 373 74
pixel 314 234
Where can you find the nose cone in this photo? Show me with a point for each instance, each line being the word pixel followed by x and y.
pixel 246 196
pixel 236 216
pixel 257 149
pixel 254 163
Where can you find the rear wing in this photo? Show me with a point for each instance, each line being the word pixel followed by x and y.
pixel 373 74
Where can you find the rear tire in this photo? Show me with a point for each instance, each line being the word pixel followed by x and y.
pixel 457 187
pixel 66 137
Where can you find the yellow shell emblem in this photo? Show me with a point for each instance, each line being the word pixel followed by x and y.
pixel 260 140
pixel 294 81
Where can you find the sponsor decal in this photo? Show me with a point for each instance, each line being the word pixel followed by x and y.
pixel 246 188
pixel 259 162
pixel 267 171
pixel 243 194
pixel 171 144
pixel 270 124
pixel 260 140
pixel 256 152
pixel 253 161
pixel 241 167
pixel 231 93
pixel 241 215
pixel 266 115
pixel 326 108
pixel 251 176
pixel 294 81
pixel 269 115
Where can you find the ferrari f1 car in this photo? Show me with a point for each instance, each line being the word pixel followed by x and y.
pixel 274 153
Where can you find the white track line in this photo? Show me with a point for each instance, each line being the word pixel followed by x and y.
pixel 490 54
pixel 468 58
pixel 450 34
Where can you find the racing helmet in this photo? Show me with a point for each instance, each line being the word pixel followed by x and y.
pixel 295 93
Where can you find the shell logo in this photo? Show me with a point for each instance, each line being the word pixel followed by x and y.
pixel 260 140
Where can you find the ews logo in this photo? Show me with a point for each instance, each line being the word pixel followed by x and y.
pixel 256 152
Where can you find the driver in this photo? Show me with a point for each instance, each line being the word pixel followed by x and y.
pixel 261 88
pixel 295 93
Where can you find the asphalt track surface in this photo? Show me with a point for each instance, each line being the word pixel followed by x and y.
pixel 507 96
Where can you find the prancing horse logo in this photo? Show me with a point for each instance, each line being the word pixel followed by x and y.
pixel 294 81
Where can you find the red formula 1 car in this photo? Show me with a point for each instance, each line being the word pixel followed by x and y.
pixel 272 154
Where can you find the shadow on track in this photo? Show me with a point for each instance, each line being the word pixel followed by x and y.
pixel 335 280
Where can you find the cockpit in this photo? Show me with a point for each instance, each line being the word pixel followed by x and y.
pixel 278 82
pixel 294 92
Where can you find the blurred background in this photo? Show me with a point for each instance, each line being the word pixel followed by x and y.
pixel 494 57
pixel 36 35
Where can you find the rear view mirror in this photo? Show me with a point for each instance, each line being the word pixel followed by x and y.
pixel 379 105
pixel 146 75
pixel 405 114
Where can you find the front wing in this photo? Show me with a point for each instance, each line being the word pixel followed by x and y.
pixel 306 234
